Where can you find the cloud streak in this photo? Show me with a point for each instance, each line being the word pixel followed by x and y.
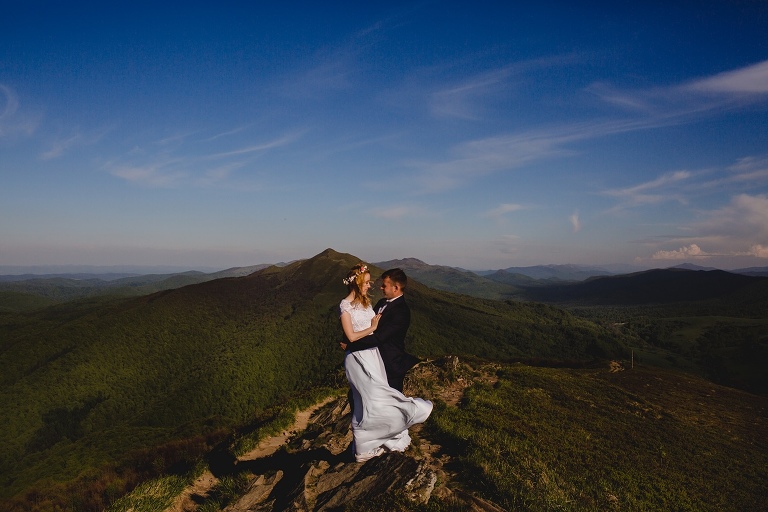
pixel 657 108
pixel 178 164
pixel 748 80
pixel 504 209
pixel 12 120
pixel 258 148
pixel 686 102
pixel 62 145
pixel 650 192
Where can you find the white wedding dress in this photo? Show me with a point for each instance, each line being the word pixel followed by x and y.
pixel 381 415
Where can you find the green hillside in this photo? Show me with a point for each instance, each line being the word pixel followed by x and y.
pixel 541 439
pixel 649 287
pixel 90 382
pixel 455 280
pixel 511 437
pixel 45 290
pixel 13 301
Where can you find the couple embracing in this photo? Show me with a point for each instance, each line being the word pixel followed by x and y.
pixel 376 364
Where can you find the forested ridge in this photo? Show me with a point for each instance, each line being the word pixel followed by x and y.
pixel 87 382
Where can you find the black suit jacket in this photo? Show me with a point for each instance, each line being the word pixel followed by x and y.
pixel 390 338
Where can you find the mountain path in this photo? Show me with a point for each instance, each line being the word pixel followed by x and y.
pixel 186 501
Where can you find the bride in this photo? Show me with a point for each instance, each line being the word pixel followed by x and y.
pixel 381 415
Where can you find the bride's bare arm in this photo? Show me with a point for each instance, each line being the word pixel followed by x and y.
pixel 346 324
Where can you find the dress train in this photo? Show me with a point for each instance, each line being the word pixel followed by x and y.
pixel 381 414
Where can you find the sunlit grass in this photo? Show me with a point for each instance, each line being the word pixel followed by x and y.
pixel 226 491
pixel 544 439
pixel 282 418
pixel 151 496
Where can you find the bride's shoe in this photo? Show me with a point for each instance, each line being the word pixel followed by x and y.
pixel 399 443
pixel 362 457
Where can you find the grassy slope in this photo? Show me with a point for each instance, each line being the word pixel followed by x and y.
pixel 150 369
pixel 89 381
pixel 642 439
pixel 540 439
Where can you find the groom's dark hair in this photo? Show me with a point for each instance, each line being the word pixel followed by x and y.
pixel 397 276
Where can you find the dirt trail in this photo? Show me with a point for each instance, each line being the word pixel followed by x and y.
pixel 270 445
pixel 205 482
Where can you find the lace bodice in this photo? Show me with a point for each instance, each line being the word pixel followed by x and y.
pixel 361 316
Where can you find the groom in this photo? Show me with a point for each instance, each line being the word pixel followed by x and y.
pixel 389 335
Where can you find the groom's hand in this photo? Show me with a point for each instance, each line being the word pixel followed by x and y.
pixel 343 345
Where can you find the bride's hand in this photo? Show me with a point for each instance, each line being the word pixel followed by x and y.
pixel 375 321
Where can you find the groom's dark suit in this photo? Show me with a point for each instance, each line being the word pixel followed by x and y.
pixel 390 338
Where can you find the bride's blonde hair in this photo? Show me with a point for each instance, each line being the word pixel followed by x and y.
pixel 354 281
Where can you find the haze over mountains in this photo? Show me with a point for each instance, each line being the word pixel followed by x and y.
pixel 547 283
pixel 545 271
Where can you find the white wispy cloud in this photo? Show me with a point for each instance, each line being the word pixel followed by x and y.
pixel 651 108
pixel 460 100
pixel 218 174
pixel 149 175
pixel 758 251
pixel 750 169
pixel 744 175
pixel 227 133
pixel 663 188
pixel 745 218
pixel 575 221
pixel 329 70
pixel 750 80
pixel 472 97
pixel 10 104
pixel 689 101
pixel 493 154
pixel 13 121
pixel 737 229
pixel 60 145
pixel 506 152
pixel 504 209
pixel 257 148
pixel 177 161
pixel 175 139
pixel 692 251
pixel 76 139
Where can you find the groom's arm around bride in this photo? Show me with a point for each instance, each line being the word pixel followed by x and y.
pixel 393 326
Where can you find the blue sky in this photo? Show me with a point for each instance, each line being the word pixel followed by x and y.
pixel 482 135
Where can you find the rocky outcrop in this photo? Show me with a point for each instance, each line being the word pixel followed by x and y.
pixel 316 471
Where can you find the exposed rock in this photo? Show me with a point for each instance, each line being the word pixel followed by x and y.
pixel 256 497
pixel 419 488
pixel 307 475
pixel 316 471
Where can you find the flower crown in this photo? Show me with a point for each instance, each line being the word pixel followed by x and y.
pixel 360 270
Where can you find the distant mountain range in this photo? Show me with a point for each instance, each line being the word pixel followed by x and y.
pixel 546 283
pixel 553 272
pixel 130 278
pixel 588 285
pixel 56 288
